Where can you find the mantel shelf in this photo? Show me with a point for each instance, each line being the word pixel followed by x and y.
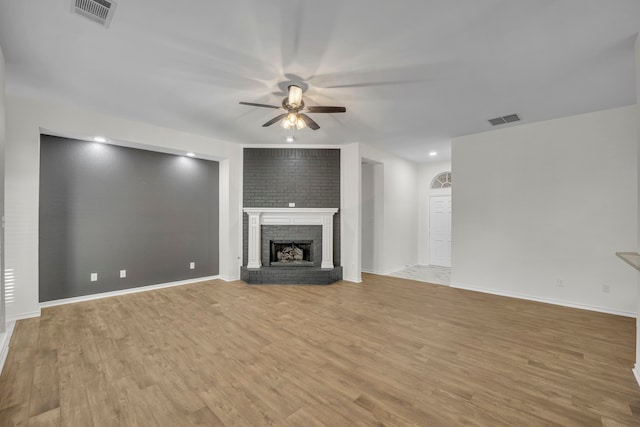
pixel 292 210
pixel 631 258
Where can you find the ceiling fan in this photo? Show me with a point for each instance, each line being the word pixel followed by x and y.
pixel 295 109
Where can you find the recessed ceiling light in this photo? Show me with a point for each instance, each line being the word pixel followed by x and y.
pixel 433 153
pixel 99 139
pixel 191 154
pixel 289 139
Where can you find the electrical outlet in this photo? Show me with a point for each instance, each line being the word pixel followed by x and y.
pixel 94 277
pixel 606 289
pixel 192 265
pixel 123 274
pixel 560 283
pixel 292 205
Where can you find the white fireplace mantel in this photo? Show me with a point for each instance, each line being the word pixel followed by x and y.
pixel 290 216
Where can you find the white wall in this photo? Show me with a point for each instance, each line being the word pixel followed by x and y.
pixel 25 118
pixel 2 145
pixel 231 213
pixel 372 209
pixel 400 224
pixel 350 230
pixel 549 201
pixel 637 367
pixel 426 173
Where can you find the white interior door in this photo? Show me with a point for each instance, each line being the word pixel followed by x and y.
pixel 440 230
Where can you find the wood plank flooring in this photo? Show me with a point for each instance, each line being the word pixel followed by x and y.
pixel 387 352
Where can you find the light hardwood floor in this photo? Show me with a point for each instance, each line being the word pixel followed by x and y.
pixel 389 352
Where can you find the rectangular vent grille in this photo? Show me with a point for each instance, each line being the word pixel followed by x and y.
pixel 504 119
pixel 100 11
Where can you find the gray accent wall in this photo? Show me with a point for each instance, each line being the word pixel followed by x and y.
pixel 106 208
pixel 275 177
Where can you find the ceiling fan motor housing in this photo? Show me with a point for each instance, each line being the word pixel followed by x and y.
pixel 290 108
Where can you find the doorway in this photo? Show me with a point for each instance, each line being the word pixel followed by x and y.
pixel 440 230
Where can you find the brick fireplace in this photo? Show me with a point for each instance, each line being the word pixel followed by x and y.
pixel 291 194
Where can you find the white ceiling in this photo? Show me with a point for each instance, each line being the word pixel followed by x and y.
pixel 412 74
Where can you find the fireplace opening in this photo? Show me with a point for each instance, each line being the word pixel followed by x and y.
pixel 288 253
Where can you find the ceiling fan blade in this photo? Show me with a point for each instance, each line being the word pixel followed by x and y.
pixel 274 120
pixel 309 122
pixel 399 75
pixel 253 104
pixel 321 109
pixel 374 84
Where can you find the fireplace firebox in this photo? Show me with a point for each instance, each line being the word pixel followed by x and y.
pixel 288 253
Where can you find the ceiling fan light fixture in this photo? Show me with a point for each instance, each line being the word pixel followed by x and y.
pixel 295 96
pixel 294 111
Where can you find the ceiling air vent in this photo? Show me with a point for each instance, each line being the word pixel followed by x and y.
pixel 504 119
pixel 100 11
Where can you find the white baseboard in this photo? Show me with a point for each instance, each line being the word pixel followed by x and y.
pixel 383 273
pixel 545 300
pixel 352 279
pixel 387 272
pixel 396 269
pixel 379 273
pixel 21 316
pixel 636 373
pixel 5 339
pixel 230 278
pixel 125 291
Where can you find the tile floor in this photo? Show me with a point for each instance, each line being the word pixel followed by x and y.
pixel 426 273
